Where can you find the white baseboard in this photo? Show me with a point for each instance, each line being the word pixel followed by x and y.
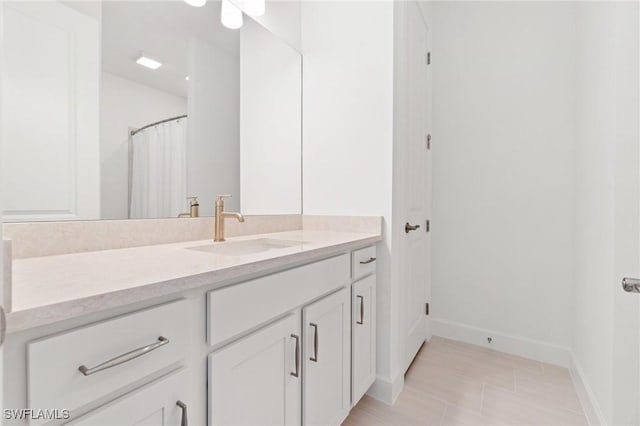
pixel 386 389
pixel 585 393
pixel 521 346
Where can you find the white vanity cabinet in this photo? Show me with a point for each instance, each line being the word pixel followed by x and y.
pixel 363 335
pixel 257 380
pixel 160 403
pixel 288 347
pixel 327 359
pixel 280 376
pixel 296 370
pixel 363 321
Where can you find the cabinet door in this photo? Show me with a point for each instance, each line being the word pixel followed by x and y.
pixel 327 359
pixel 155 404
pixel 363 334
pixel 257 380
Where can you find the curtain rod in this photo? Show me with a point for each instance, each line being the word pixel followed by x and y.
pixel 133 132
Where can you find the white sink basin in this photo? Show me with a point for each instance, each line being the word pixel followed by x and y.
pixel 243 248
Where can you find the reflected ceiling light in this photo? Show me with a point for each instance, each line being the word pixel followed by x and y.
pixel 251 7
pixel 230 15
pixel 196 3
pixel 148 62
pixel 186 77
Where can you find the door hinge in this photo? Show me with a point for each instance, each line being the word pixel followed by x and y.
pixel 427 58
pixel 426 308
pixel 428 141
pixel 427 226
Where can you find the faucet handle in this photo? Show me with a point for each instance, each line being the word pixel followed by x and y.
pixel 222 197
pixel 192 200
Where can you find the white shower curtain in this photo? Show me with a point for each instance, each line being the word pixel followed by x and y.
pixel 159 171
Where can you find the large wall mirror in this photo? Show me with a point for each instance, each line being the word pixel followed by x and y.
pixel 124 109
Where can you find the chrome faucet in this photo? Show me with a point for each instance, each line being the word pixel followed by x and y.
pixel 220 216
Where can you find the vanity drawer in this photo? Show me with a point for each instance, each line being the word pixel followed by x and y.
pixel 363 262
pixel 234 310
pixel 54 376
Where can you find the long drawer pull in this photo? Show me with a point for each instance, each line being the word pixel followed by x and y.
pixel 366 262
pixel 314 358
pixel 297 355
pixel 124 357
pixel 361 320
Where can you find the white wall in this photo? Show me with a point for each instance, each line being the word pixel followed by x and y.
pixel 282 18
pixel 503 158
pixel 537 187
pixel 606 328
pixel 126 105
pixel 348 129
pixel 271 123
pixel 213 150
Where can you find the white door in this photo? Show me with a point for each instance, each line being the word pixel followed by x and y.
pixel 327 359
pixel 161 403
pixel 363 335
pixel 416 184
pixel 50 76
pixel 257 380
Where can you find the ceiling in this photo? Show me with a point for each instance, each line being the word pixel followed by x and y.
pixel 160 29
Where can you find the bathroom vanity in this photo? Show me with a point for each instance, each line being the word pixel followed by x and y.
pixel 263 329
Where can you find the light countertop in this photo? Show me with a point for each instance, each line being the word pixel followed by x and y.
pixel 54 288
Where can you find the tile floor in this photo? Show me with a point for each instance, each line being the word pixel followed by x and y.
pixel 454 383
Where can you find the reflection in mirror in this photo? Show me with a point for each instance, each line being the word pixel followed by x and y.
pixel 116 110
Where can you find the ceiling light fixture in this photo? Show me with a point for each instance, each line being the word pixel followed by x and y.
pixel 230 15
pixel 196 3
pixel 148 62
pixel 186 77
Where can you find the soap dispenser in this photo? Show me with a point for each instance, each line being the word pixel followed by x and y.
pixel 194 206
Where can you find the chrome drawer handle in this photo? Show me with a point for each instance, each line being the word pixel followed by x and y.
pixel 314 358
pixel 361 320
pixel 124 357
pixel 297 355
pixel 183 418
pixel 365 262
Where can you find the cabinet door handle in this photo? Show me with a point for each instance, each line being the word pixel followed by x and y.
pixel 365 262
pixel 314 358
pixel 121 359
pixel 297 355
pixel 183 418
pixel 361 320
pixel 3 325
